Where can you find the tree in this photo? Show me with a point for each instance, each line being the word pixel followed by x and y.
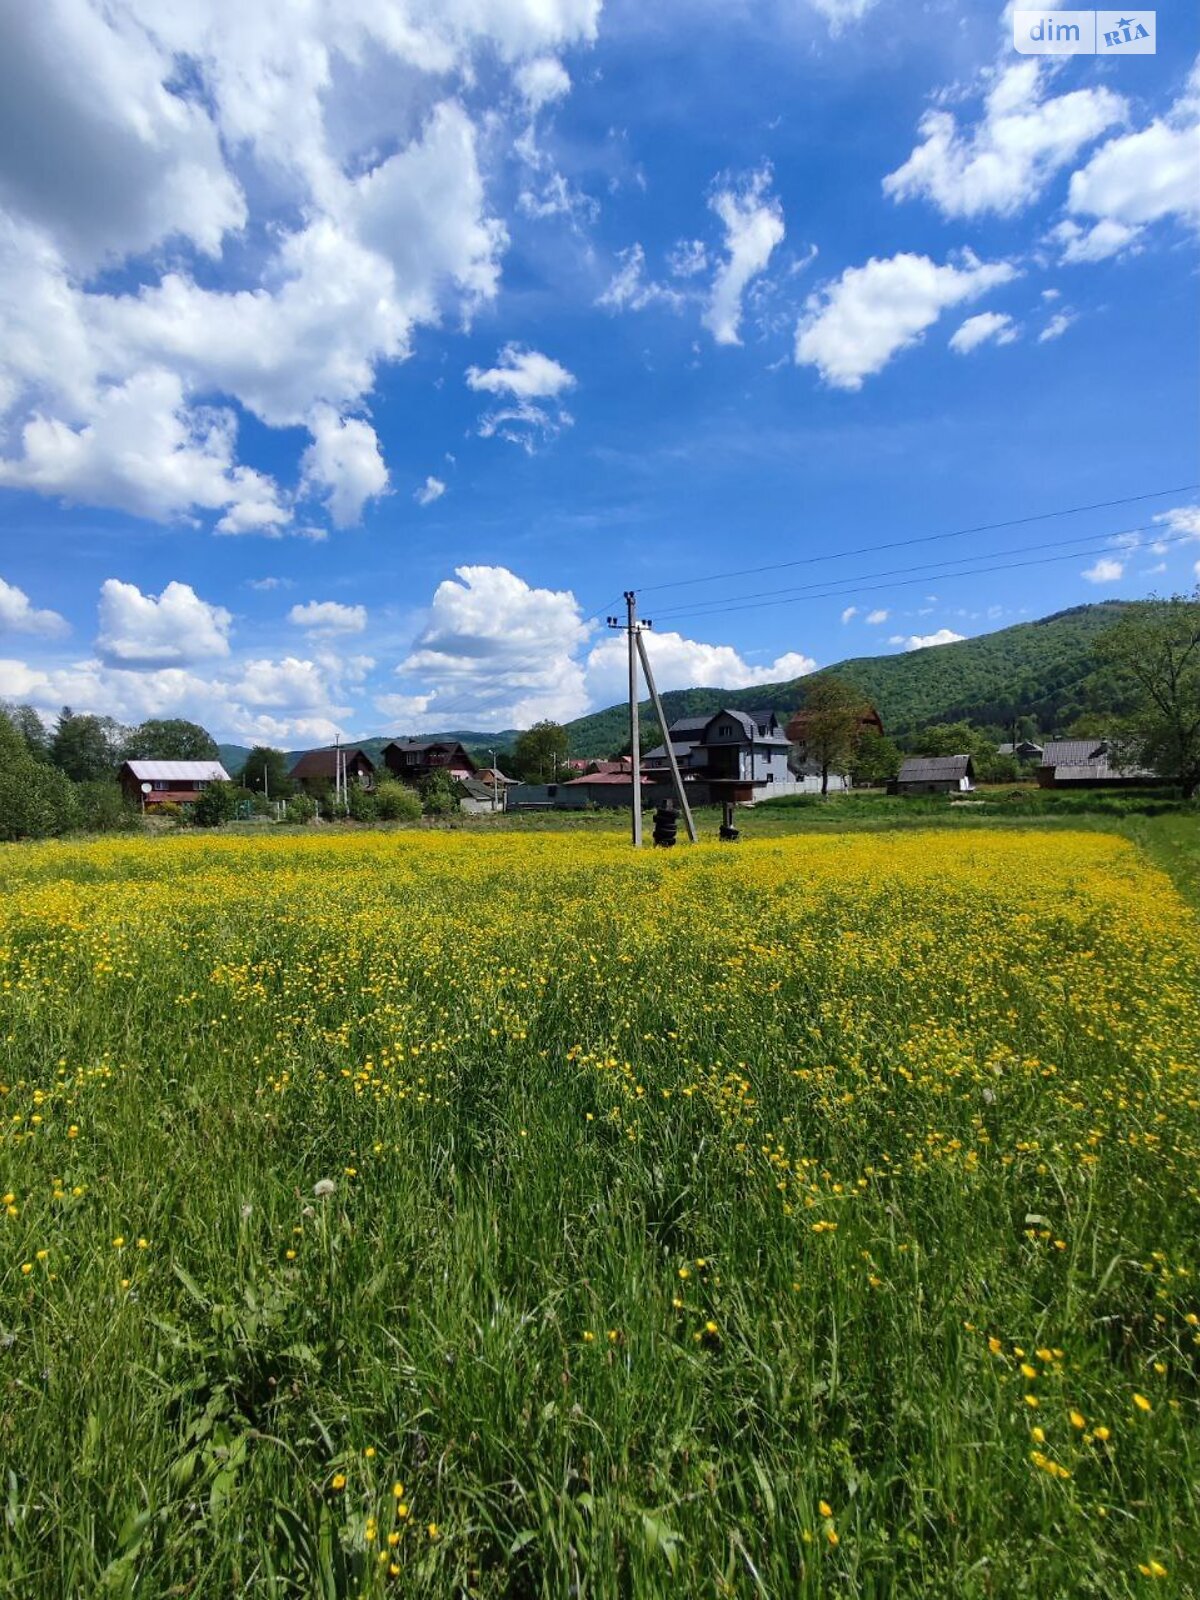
pixel 831 721
pixel 266 772
pixel 87 747
pixel 541 752
pixel 171 739
pixel 438 797
pixel 1157 642
pixel 31 728
pixel 876 760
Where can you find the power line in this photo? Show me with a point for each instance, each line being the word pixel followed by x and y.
pixel 928 577
pixel 1107 540
pixel 927 538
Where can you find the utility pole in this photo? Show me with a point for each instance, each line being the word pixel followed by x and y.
pixel 637 650
pixel 676 778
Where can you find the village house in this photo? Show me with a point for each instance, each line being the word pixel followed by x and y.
pixel 1084 764
pixel 1024 751
pixel 934 775
pixel 151 784
pixel 742 755
pixel 740 746
pixel 477 799
pixel 410 760
pixel 320 769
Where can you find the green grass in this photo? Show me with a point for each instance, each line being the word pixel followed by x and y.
pixel 577 1106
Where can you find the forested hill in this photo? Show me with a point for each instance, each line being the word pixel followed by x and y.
pixel 1045 669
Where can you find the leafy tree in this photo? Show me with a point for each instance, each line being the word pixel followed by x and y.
pixel 214 805
pixel 1157 642
pixel 396 802
pixel 541 752
pixel 876 759
pixel 86 747
pixel 832 715
pixel 31 728
pixel 266 772
pixel 438 798
pixel 171 739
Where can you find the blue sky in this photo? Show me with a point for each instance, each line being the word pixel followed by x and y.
pixel 355 358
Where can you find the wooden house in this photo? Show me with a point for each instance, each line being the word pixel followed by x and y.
pixel 935 775
pixel 410 760
pixel 151 784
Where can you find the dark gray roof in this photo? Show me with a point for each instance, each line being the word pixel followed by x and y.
pixel 746 720
pixel 932 769
pixel 1022 745
pixel 681 747
pixel 1072 752
pixel 474 790
pixel 686 725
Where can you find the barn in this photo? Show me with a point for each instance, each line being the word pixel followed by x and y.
pixel 935 775
pixel 151 784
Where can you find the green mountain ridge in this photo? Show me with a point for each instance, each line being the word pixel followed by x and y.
pixel 1045 669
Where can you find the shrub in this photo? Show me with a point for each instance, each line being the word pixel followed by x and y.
pixel 300 808
pixel 360 804
pixel 103 808
pixel 216 804
pixel 36 801
pixel 396 802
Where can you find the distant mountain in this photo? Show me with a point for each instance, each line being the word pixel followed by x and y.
pixel 1045 669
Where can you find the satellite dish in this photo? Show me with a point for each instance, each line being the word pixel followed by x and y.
pixel 146 788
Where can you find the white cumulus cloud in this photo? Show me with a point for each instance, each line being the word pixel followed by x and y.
pixel 1056 327
pixel 326 619
pixel 174 628
pixel 1105 238
pixel 925 641
pixel 432 489
pixel 996 326
pixel 849 614
pixel 853 327
pixel 343 465
pixel 496 652
pixel 18 614
pixel 522 377
pixel 1007 159
pixel 876 617
pixel 681 663
pixel 1106 570
pixel 753 220
pixel 1139 178
pixel 338 145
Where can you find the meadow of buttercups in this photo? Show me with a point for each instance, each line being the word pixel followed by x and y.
pixel 429 1214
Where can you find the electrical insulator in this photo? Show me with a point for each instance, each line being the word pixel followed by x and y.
pixel 666 821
